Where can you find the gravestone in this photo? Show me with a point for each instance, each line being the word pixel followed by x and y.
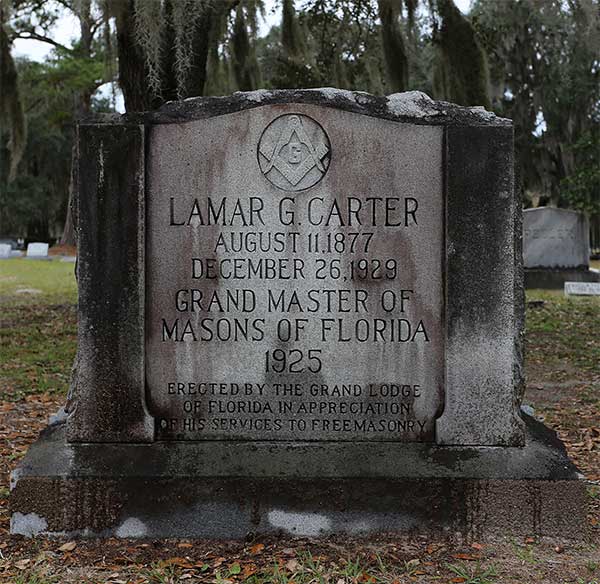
pixel 37 251
pixel 582 289
pixel 556 248
pixel 5 250
pixel 299 312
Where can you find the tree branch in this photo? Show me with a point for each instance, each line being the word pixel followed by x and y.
pixel 95 26
pixel 31 35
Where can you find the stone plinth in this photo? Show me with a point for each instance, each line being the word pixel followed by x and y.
pixel 231 489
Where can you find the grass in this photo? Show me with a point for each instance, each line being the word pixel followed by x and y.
pixel 473 575
pixel 37 329
pixel 564 330
pixel 54 281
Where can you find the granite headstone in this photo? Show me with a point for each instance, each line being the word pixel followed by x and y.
pixel 5 250
pixel 288 322
pixel 555 238
pixel 556 247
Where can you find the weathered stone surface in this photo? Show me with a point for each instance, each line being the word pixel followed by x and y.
pixel 189 488
pixel 555 238
pixel 106 401
pixel 412 106
pixel 356 278
pixel 483 325
pixel 5 250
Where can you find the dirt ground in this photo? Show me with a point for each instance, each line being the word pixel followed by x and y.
pixel 563 371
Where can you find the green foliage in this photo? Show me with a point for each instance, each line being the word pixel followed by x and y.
pixel 34 204
pixel 581 188
pixel 544 61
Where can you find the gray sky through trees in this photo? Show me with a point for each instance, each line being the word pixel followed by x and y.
pixel 67 29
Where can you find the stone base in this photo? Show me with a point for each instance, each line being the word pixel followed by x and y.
pixel 232 489
pixel 555 279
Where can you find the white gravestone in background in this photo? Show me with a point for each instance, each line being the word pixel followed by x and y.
pixel 4 250
pixel 37 250
pixel 555 238
pixel 582 289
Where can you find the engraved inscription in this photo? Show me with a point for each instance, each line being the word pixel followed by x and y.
pixel 294 316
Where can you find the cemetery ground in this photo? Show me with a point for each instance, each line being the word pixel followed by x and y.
pixel 37 345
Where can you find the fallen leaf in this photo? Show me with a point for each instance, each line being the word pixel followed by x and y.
pixel 292 565
pixel 467 557
pixel 22 564
pixel 179 562
pixel 257 548
pixel 67 547
pixel 476 546
pixel 458 580
pixel 184 545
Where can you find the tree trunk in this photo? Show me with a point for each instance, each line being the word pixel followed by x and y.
pixel 133 78
pixel 393 46
pixel 82 107
pixel 461 74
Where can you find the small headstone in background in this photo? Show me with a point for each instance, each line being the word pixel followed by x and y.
pixel 555 238
pixel 582 289
pixel 37 250
pixel 5 250
pixel 556 248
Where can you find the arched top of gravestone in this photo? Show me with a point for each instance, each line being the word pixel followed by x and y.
pixel 550 210
pixel 412 106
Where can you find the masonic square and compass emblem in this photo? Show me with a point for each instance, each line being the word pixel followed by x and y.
pixel 294 152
